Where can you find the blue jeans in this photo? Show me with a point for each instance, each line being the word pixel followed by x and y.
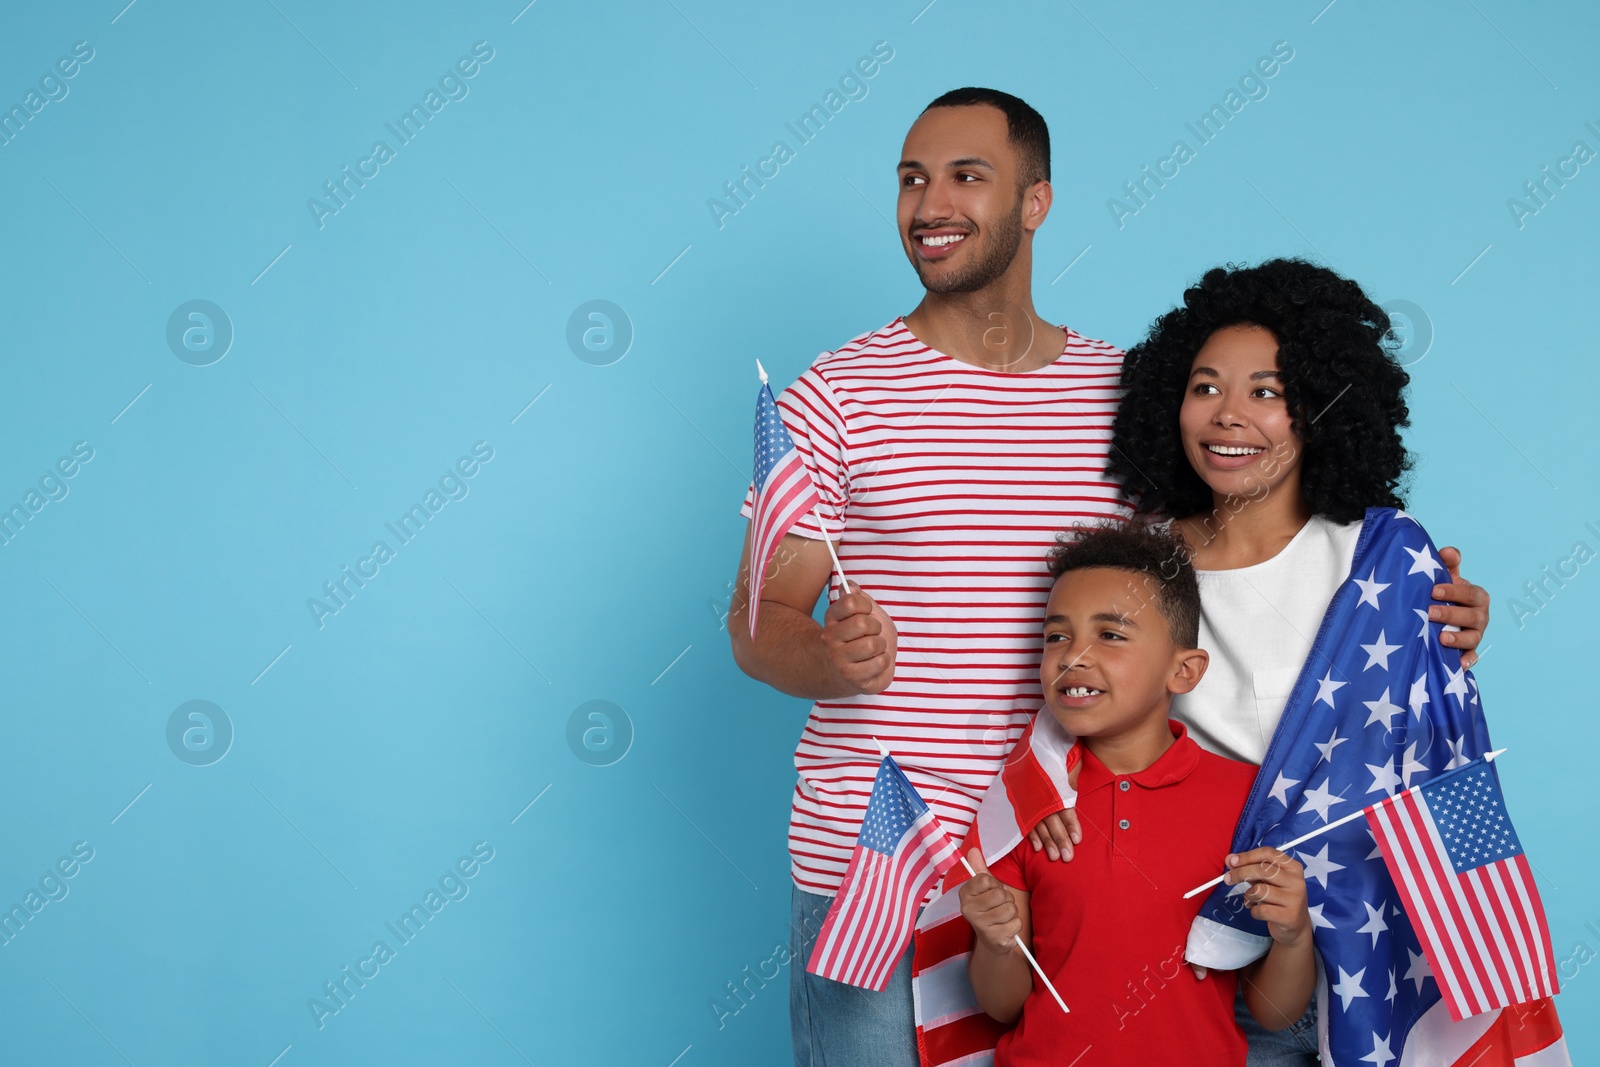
pixel 1294 1047
pixel 838 1025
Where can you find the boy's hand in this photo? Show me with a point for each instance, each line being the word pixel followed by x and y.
pixel 1471 612
pixel 988 906
pixel 1277 893
pixel 861 641
pixel 1056 834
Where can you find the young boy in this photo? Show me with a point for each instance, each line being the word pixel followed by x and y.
pixel 1157 815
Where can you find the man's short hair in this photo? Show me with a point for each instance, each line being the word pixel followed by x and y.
pixel 1025 127
pixel 1160 554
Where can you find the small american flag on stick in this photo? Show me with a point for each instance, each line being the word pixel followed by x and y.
pixel 901 852
pixel 784 492
pixel 1466 884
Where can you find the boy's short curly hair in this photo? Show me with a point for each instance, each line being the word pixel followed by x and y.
pixel 1159 553
pixel 1344 389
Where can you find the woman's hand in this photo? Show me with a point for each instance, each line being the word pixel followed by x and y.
pixel 1277 893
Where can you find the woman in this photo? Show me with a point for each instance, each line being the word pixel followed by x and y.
pixel 1263 417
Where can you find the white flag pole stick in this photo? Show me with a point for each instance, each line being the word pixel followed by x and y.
pixel 838 568
pixel 1303 838
pixel 1017 941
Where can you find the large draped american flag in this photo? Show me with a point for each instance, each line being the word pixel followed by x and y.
pixel 1379 707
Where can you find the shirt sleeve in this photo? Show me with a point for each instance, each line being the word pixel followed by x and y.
pixel 811 413
pixel 1012 868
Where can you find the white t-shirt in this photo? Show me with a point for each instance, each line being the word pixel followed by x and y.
pixel 1258 623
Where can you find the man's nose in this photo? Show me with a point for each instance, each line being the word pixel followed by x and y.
pixel 935 205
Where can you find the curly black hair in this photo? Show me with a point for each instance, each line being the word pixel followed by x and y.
pixel 1159 553
pixel 1344 389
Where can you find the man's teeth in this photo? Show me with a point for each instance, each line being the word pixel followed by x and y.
pixel 1225 450
pixel 1081 691
pixel 938 242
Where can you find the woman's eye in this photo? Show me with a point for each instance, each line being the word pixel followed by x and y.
pixel 1267 393
pixel 1204 389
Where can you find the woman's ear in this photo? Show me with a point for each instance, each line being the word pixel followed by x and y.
pixel 1188 667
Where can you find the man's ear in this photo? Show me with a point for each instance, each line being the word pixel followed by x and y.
pixel 1188 667
pixel 1036 201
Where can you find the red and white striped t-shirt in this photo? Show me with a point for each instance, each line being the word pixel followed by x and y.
pixel 945 485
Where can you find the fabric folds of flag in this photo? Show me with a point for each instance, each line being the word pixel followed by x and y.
pixel 901 852
pixel 1466 884
pixel 784 492
pixel 951 1027
pixel 1379 706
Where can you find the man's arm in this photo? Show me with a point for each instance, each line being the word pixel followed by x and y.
pixel 1000 918
pixel 851 652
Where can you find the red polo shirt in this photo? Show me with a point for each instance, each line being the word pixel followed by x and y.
pixel 1109 927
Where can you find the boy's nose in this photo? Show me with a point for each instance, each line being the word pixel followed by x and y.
pixel 1073 659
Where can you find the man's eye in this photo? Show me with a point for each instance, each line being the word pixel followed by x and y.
pixel 911 179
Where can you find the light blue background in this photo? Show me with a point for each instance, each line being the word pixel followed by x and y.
pixel 592 554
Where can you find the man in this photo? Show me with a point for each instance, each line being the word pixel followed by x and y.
pixel 948 448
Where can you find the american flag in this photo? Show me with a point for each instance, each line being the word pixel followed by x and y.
pixel 1464 880
pixel 784 492
pixel 1380 706
pixel 901 852
pixel 951 1027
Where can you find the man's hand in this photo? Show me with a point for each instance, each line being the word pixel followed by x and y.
pixel 1056 834
pixel 1470 609
pixel 861 641
pixel 1277 893
pixel 987 905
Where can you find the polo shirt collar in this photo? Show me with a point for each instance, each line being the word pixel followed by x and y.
pixel 1173 765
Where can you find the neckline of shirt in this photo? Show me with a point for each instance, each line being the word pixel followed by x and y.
pixel 1315 520
pixel 899 324
pixel 1172 766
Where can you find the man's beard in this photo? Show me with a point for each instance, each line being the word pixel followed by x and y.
pixel 1003 244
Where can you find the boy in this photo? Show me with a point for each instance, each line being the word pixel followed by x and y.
pixel 1157 813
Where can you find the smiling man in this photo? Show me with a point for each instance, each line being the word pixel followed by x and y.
pixel 949 447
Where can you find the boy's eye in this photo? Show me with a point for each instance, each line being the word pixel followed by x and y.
pixel 1048 638
pixel 1112 635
